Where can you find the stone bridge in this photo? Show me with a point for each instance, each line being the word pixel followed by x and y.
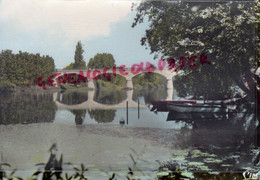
pixel 127 73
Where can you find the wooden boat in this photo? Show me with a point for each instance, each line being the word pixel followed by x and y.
pixel 162 105
pixel 196 107
pixel 231 100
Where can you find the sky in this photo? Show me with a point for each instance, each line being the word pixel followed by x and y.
pixel 53 27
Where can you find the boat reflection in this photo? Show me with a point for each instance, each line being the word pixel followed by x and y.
pixel 173 115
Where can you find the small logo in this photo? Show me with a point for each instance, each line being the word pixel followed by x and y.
pixel 250 175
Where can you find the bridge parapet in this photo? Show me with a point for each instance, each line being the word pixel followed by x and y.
pixel 127 73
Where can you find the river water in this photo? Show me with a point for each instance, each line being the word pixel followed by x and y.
pixel 96 129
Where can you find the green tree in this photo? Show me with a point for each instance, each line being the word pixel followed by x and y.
pixel 78 57
pixel 224 31
pixel 106 60
pixel 24 68
pixel 101 60
pixel 149 80
pixel 115 81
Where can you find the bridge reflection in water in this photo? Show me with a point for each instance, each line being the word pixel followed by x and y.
pixel 90 103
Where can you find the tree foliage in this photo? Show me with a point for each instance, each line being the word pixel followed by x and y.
pixel 106 60
pixel 101 60
pixel 24 68
pixel 115 81
pixel 224 31
pixel 79 62
pixel 149 80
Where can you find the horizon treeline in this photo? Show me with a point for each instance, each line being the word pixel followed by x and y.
pixel 23 68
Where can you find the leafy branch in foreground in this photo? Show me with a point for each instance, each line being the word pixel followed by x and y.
pixel 3 174
pixel 224 31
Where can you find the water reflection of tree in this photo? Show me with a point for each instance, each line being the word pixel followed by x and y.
pixel 102 115
pixel 150 94
pixel 110 96
pixel 79 115
pixel 26 108
pixel 73 97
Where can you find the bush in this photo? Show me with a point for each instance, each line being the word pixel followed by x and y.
pixel 6 84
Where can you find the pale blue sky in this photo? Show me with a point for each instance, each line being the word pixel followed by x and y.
pixel 53 27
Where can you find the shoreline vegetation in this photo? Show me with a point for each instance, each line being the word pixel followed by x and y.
pixel 101 84
pixel 9 87
pixel 19 72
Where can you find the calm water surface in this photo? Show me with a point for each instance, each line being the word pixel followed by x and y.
pixel 92 127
